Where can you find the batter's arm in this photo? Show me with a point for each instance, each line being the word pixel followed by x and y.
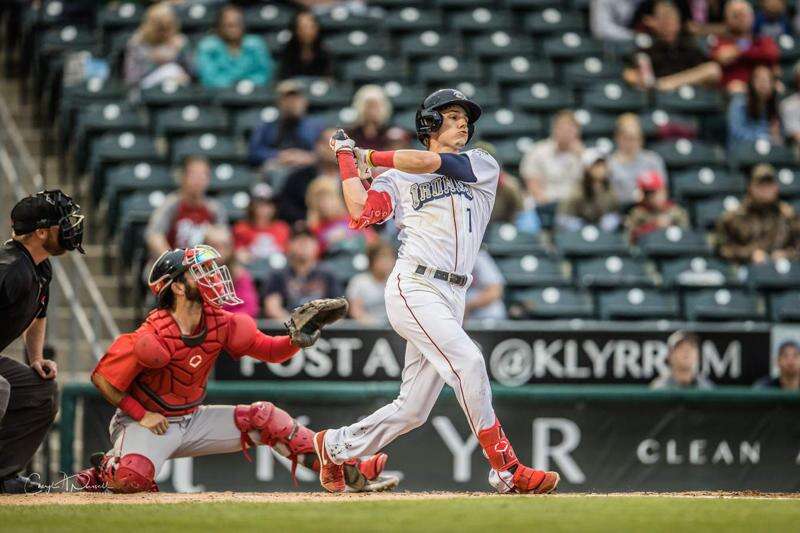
pixel 456 166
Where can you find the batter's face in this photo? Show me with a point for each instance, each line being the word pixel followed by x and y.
pixel 454 131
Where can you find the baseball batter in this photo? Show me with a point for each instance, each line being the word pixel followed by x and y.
pixel 441 200
pixel 157 377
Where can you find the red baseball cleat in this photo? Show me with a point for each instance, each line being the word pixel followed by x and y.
pixel 531 481
pixel 331 475
pixel 372 467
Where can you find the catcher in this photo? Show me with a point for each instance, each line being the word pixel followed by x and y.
pixel 157 376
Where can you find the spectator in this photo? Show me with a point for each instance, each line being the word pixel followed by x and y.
pixel 552 167
pixel 788 369
pixel 790 109
pixel 754 115
pixel 305 54
pixel 592 202
pixel 329 220
pixel 374 112
pixel 230 55
pixel 707 17
pixel 260 235
pixel 182 220
pixel 683 357
pixel 508 200
pixel 630 160
pixel 484 299
pixel 772 20
pixel 611 20
pixel 157 51
pixel 762 227
pixel 303 280
pixel 655 211
pixel 738 51
pixel 289 140
pixel 674 59
pixel 365 290
pixel 220 238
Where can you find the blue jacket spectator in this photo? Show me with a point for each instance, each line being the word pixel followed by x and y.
pixel 289 139
pixel 754 115
pixel 230 55
pixel 772 19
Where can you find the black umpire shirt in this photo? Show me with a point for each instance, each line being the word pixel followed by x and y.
pixel 24 291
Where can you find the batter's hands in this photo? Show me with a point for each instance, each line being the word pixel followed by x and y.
pixel 362 163
pixel 155 422
pixel 46 368
pixel 340 142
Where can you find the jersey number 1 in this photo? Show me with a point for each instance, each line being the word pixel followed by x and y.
pixel 469 219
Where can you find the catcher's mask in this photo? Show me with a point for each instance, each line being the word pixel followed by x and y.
pixel 213 279
pixel 429 119
pixel 50 208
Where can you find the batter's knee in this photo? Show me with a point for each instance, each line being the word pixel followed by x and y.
pixel 275 426
pixel 5 394
pixel 133 472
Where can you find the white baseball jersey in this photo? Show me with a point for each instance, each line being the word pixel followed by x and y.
pixel 442 219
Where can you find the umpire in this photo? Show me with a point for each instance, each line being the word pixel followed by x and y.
pixel 47 223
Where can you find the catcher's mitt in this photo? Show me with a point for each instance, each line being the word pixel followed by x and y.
pixel 306 321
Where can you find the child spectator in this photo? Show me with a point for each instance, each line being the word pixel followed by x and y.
pixel 754 114
pixel 593 201
pixel 631 160
pixel 230 56
pixel 655 211
pixel 365 290
pixel 220 238
pixel 304 54
pixel 260 235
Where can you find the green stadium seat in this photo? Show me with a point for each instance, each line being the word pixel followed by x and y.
pixel 785 307
pixel 790 48
pixel 404 96
pixel 190 119
pixel 461 4
pixel 216 148
pixel 137 208
pixel 501 44
pixel 246 120
pixel 171 94
pixel 674 242
pixel 405 119
pixel 747 154
pixel 79 96
pixel 595 124
pixel 533 5
pixel 774 275
pixel 115 16
pixel 196 17
pixel 488 94
pixel 653 120
pixel 697 271
pixel 268 18
pixel 532 271
pixel 123 180
pixel 591 70
pixel 413 19
pixel 554 21
pixel 684 153
pixel 611 271
pixel 447 70
pixel 340 18
pixel 638 304
pixel 235 204
pixel 244 94
pixel 481 19
pixel 542 98
pixel 375 68
pixel 324 95
pixel 506 122
pixel 789 181
pixel 571 46
pixel 276 41
pixel 590 241
pixel 519 70
pixel 614 97
pixel 231 178
pixel 430 43
pixel 550 303
pixel 118 148
pixel 344 266
pixel 102 118
pixel 722 304
pixel 60 40
pixel 510 151
pixel 690 100
pixel 707 212
pixel 706 181
pixel 357 43
pixel 339 118
pixel 505 240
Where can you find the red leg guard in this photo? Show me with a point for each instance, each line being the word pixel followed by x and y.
pixel 497 448
pixel 132 472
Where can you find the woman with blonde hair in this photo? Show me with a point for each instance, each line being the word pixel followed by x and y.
pixel 374 111
pixel 157 51
pixel 329 220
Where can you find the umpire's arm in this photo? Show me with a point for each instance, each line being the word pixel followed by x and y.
pixel 34 346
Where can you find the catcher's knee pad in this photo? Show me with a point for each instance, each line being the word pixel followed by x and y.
pixel 275 426
pixel 132 472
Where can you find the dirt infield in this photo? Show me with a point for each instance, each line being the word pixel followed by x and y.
pixel 78 498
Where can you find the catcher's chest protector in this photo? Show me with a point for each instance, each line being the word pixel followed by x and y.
pixel 180 387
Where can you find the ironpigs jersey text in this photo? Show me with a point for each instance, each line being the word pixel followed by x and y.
pixel 442 219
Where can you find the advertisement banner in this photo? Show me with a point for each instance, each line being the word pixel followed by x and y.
pixel 517 357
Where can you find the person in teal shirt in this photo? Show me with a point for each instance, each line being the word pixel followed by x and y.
pixel 230 56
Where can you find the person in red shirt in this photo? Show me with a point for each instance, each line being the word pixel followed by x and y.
pixel 655 211
pixel 260 235
pixel 157 376
pixel 738 51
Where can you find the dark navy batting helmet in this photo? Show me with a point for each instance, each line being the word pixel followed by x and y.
pixel 429 119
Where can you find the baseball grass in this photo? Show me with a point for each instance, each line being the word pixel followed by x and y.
pixel 515 513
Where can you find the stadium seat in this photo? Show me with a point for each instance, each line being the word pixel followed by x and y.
pixel 60 40
pixel 654 120
pixel 638 304
pixel 404 96
pixel 550 302
pixel 231 178
pixel 324 95
pixel 501 44
pixel 171 94
pixel 591 70
pixel 450 5
pixel 413 19
pixel 790 49
pixel 216 148
pixel 722 304
pixel 542 98
pixel 340 18
pixel 707 212
pixel 357 43
pixel 747 154
pixel 533 5
pixel 614 97
pixel 344 266
pixel 246 120
pixel 480 19
pixel 195 16
pixel 503 123
pixel 103 118
pixel 685 153
pixel 79 96
pixel 571 46
pixel 276 41
pixel 785 307
pixel 118 148
pixel 429 43
pixel 510 151
pixel 532 271
pixel 774 275
pixel 789 181
pixel 674 242
pixel 190 119
pixel 518 70
pixel 115 16
pixel 612 271
pixel 590 241
pixel 235 204
pixel 706 181
pixel 244 94
pixel 595 124
pixel 447 70
pixel 375 68
pixel 505 239
pixel 339 118
pixel 268 18
pixel 697 271
pixel 553 21
pixel 124 180
pixel 690 100
pixel 488 94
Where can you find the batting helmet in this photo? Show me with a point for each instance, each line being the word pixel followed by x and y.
pixel 429 119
